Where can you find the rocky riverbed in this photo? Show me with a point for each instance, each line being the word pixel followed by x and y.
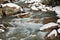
pixel 22 19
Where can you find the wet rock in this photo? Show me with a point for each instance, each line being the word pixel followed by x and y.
pixel 2 1
pixel 48 20
pixel 1 13
pixel 49 26
pixel 10 11
pixel 2 28
pixel 35 21
pixel 23 15
pixel 13 1
pixel 52 35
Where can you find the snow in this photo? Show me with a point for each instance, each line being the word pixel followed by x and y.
pixel 58 21
pixel 48 25
pixel 10 5
pixel 0 39
pixel 34 8
pixel 31 1
pixel 25 13
pixel 44 10
pixel 57 9
pixel 58 15
pixel 58 30
pixel 49 8
pixel 54 32
pixel 1 30
pixel 40 7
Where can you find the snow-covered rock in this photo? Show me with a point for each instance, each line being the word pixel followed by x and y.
pixel 44 10
pixel 31 1
pixel 34 8
pixel 53 33
pixel 10 5
pixel 40 7
pixel 49 8
pixel 1 30
pixel 58 30
pixel 1 13
pixel 11 8
pixel 23 15
pixel 58 15
pixel 57 9
pixel 58 21
pixel 48 26
pixel 0 39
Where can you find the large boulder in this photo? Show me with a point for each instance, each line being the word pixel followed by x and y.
pixel 11 8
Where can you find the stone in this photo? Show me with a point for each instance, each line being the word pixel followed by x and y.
pixel 49 27
pixel 2 1
pixel 34 8
pixel 10 10
pixel 1 13
pixel 48 20
pixel 23 15
pixel 57 9
pixel 52 35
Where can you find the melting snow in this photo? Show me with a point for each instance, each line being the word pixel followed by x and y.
pixel 54 32
pixel 48 25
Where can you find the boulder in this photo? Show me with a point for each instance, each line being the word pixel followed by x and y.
pixel 49 27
